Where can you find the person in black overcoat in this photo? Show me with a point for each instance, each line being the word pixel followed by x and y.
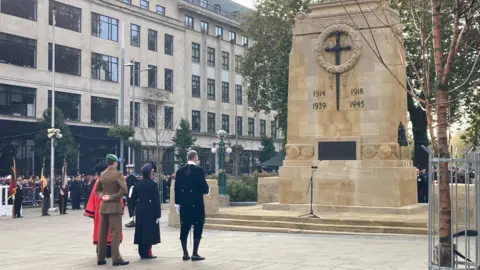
pixel 131 180
pixel 190 186
pixel 148 212
pixel 17 202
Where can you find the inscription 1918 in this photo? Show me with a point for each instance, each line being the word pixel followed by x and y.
pixel 356 104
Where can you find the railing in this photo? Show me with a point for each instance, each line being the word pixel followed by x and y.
pixel 214 8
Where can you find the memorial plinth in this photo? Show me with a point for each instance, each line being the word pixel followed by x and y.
pixel 345 107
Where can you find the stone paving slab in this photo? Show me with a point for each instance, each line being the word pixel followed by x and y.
pixel 65 242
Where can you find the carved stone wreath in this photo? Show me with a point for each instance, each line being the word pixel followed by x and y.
pixel 356 48
pixel 306 151
pixel 292 151
pixel 385 151
pixel 368 151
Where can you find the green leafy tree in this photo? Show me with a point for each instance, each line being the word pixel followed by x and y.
pixel 265 63
pixel 65 148
pixel 183 142
pixel 267 151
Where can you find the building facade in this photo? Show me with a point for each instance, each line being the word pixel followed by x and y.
pixel 181 62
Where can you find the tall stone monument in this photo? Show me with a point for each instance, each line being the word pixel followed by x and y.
pixel 345 108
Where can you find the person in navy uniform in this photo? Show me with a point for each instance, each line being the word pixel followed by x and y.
pixel 190 186
pixel 18 199
pixel 132 180
pixel 146 202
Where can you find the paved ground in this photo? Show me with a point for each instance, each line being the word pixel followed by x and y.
pixel 65 242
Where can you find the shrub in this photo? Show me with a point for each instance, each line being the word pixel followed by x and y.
pixel 240 191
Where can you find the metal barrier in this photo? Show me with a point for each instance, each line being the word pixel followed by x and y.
pixel 464 187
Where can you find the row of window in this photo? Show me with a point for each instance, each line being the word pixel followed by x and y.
pixel 205 27
pixel 22 51
pixel 211 57
pixel 211 124
pixel 21 101
pixel 211 93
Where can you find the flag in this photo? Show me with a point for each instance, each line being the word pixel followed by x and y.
pixel 13 182
pixel 64 182
pixel 42 178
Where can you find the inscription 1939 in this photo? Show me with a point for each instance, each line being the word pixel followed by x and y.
pixel 319 105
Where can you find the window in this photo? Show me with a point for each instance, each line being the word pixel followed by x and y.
pixel 17 100
pixel 263 127
pixel 135 73
pixel 134 35
pixel 226 122
pixel 152 76
pixel 211 57
pixel 211 122
pixel 19 51
pixel 67 17
pixel 225 94
pixel 168 117
pixel 169 80
pixel 244 41
pixel 152 40
pixel 225 60
pixel 196 121
pixel 127 1
pixel 67 60
pixel 104 110
pixel 232 36
pixel 273 129
pixel 238 94
pixel 203 3
pixel 195 53
pixel 104 67
pixel 217 8
pixel 204 27
pixel 219 31
pixel 238 63
pixel 104 27
pixel 168 44
pixel 152 115
pixel 26 9
pixel 251 127
pixel 144 4
pixel 135 121
pixel 210 89
pixel 68 103
pixel 195 86
pixel 160 10
pixel 239 126
pixel 188 22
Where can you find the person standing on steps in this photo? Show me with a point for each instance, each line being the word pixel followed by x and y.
pixel 132 180
pixel 147 211
pixel 190 186
pixel 111 188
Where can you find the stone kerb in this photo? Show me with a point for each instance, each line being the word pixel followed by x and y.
pixel 211 202
pixel 267 191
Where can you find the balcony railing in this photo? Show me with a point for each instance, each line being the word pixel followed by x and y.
pixel 215 8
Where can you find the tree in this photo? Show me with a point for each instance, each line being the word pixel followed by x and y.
pixel 65 148
pixel 267 151
pixel 183 142
pixel 265 63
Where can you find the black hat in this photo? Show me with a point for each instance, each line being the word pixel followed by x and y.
pixel 102 166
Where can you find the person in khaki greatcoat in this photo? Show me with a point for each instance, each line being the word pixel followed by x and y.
pixel 111 188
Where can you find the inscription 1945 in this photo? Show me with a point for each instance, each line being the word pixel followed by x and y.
pixel 356 104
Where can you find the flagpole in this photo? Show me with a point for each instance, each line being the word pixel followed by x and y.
pixel 52 140
pixel 14 181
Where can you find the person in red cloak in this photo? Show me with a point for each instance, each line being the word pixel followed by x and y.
pixel 92 211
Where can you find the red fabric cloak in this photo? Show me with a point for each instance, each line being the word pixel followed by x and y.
pixel 92 212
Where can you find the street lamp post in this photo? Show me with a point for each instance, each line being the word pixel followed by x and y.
pixel 222 177
pixel 52 114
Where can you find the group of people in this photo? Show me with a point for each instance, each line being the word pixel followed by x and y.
pixel 106 207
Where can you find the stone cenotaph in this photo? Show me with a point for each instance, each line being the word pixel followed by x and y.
pixel 345 108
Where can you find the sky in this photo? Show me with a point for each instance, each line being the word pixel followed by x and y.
pixel 247 3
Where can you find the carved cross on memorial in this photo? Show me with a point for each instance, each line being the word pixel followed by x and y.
pixel 338 50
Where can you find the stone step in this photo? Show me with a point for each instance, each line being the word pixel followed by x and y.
pixel 330 221
pixel 290 230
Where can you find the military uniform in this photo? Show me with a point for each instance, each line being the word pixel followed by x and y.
pixel 131 182
pixel 112 184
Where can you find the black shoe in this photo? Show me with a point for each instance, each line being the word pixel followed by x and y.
pixel 120 263
pixel 19 216
pixel 131 224
pixel 197 258
pixel 148 257
pixel 101 262
pixel 186 257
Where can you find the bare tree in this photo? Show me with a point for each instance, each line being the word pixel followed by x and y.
pixel 441 27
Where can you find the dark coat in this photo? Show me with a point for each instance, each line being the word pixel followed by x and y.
pixel 190 186
pixel 132 180
pixel 147 210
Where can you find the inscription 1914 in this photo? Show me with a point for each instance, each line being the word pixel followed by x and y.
pixel 356 104
pixel 319 105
